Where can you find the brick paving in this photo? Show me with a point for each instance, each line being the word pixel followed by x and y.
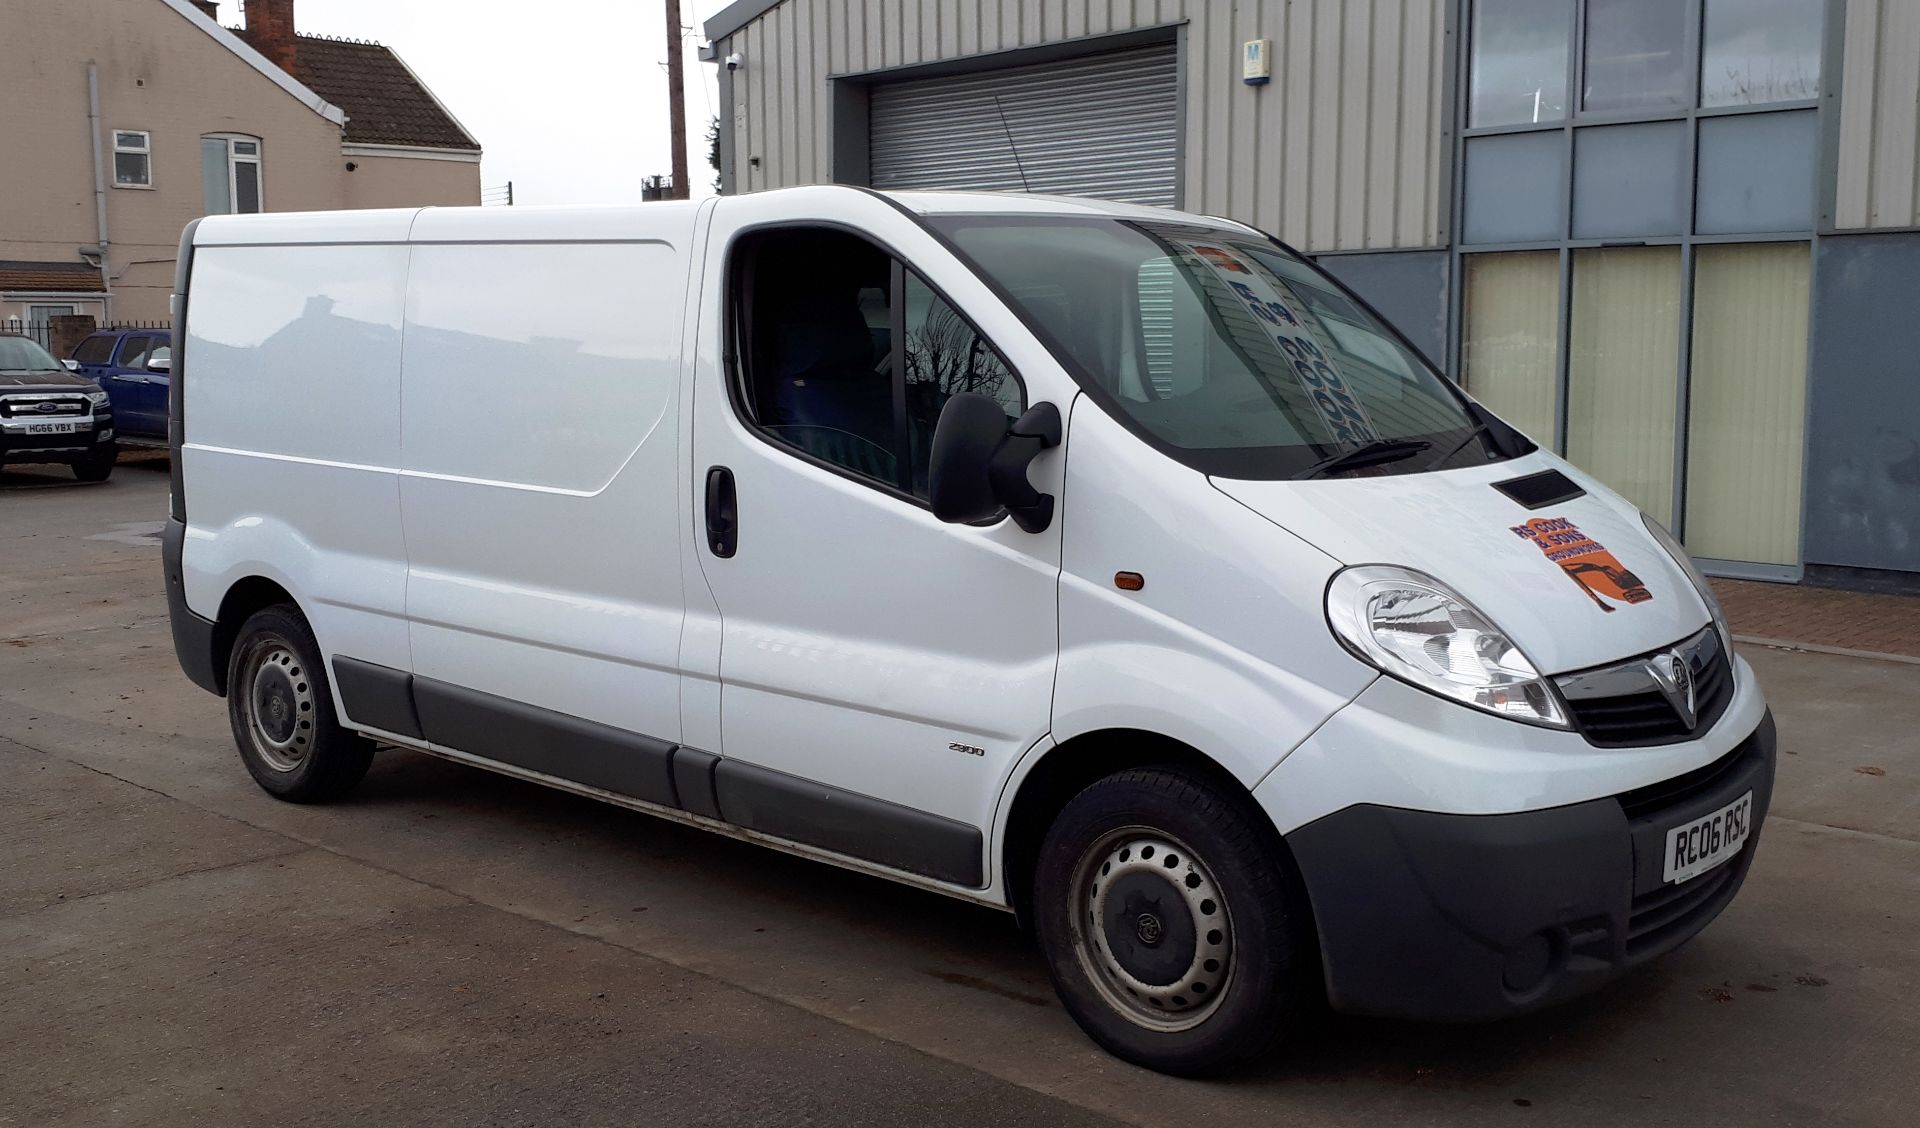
pixel 1884 624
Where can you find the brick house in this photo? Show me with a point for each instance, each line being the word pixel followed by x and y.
pixel 128 118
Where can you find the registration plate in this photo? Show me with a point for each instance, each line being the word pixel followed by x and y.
pixel 1696 847
pixel 52 428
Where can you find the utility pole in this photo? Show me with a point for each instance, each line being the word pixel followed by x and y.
pixel 676 101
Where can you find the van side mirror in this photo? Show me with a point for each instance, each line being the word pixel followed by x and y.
pixel 978 465
pixel 160 364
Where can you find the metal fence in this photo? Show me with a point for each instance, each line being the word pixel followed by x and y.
pixel 41 332
pixel 38 331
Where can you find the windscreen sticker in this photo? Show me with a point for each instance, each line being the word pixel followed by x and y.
pixel 1584 561
pixel 1294 334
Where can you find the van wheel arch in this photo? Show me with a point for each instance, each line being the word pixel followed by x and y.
pixel 239 604
pixel 1068 769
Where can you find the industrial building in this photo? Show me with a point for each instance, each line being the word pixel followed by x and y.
pixel 1679 240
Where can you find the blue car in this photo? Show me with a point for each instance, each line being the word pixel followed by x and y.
pixel 132 365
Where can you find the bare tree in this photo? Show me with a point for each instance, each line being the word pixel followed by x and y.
pixel 944 353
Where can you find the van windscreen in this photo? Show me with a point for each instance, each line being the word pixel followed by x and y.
pixel 1228 352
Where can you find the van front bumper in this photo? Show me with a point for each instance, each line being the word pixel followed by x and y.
pixel 1478 916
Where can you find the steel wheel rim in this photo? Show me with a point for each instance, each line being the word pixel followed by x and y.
pixel 280 705
pixel 1192 996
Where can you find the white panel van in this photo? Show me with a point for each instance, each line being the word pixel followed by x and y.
pixel 1107 564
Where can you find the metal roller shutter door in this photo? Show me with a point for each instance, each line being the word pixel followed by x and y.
pixel 1103 125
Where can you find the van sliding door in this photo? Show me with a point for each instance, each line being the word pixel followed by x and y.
pixel 541 499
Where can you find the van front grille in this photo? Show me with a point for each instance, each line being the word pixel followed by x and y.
pixel 1671 910
pixel 1637 702
pixel 1682 789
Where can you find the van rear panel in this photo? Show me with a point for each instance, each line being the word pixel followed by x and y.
pixel 292 432
pixel 468 420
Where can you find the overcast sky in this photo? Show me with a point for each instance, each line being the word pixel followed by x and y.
pixel 568 97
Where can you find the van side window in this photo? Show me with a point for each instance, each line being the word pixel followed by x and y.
pixel 847 357
pixel 944 357
pixel 818 341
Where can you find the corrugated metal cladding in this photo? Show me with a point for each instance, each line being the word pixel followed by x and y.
pixel 1102 125
pixel 1347 148
pixel 1879 167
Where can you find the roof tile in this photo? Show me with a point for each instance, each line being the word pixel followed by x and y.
pixel 50 277
pixel 385 104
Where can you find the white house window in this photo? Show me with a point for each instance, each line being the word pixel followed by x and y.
pixel 230 174
pixel 132 158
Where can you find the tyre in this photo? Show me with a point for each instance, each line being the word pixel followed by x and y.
pixel 281 708
pixel 1173 927
pixel 97 468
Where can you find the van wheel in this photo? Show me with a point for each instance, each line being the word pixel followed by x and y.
pixel 282 712
pixel 1173 932
pixel 98 467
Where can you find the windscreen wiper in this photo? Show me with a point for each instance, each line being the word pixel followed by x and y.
pixel 1478 430
pixel 1371 453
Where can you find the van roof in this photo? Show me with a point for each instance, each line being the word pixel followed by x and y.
pixel 586 222
pixel 942 202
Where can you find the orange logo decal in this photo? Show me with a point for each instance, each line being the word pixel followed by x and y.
pixel 1584 561
pixel 1221 259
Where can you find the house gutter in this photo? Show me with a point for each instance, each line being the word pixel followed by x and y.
pixel 99 189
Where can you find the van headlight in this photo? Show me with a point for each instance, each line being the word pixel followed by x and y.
pixel 1413 627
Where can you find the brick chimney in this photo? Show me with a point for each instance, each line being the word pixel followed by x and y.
pixel 270 30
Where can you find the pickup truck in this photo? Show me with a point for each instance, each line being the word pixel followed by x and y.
pixel 133 366
pixel 49 413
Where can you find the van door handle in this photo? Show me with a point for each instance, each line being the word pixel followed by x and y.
pixel 723 512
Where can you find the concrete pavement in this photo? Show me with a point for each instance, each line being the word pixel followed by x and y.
pixel 451 946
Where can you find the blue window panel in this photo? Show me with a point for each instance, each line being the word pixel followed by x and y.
pixel 1516 187
pixel 1756 173
pixel 1630 181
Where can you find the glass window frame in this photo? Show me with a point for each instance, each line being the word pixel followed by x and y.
pixel 133 347
pixel 1575 19
pixel 1505 445
pixel 1691 24
pixel 1821 82
pixel 107 346
pixel 1692 317
pixel 739 380
pixel 1462 373
pixel 234 159
pixel 144 150
pixel 1577 115
pixel 1688 240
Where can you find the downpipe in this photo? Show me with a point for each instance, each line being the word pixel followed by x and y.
pixel 99 190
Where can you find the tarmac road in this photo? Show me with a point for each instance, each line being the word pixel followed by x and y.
pixel 451 946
